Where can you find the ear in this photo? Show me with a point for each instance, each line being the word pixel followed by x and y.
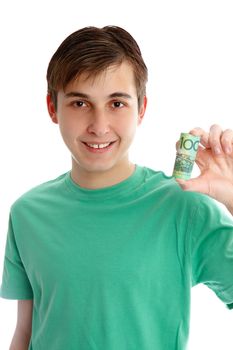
pixel 142 110
pixel 51 109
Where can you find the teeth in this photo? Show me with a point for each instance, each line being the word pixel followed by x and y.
pixel 102 145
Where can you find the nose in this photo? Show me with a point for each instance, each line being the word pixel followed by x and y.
pixel 99 123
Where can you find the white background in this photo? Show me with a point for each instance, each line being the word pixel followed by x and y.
pixel 187 46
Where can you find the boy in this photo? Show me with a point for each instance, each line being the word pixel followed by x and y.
pixel 104 256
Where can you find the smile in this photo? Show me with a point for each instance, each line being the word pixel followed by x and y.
pixel 101 145
pixel 98 147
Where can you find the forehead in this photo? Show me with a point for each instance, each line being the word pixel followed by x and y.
pixel 114 76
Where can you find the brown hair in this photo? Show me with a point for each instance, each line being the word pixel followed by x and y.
pixel 92 50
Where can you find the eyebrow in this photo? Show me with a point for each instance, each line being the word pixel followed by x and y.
pixel 82 95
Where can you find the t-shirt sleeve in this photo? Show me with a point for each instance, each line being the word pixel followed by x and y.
pixel 212 250
pixel 15 282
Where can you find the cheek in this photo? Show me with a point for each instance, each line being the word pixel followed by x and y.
pixel 68 131
pixel 127 129
pixel 131 124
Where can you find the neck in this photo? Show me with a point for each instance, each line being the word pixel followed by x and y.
pixel 101 179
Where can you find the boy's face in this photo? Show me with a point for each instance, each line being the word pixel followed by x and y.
pixel 98 119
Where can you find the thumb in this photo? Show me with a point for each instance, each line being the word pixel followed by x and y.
pixel 195 185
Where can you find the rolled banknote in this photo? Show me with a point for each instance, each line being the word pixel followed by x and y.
pixel 185 156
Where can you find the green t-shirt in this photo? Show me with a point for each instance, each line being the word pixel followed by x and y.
pixel 112 268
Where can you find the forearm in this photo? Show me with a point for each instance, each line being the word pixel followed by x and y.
pixel 20 341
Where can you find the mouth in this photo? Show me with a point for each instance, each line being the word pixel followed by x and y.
pixel 98 147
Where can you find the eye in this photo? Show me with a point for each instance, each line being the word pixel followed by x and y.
pixel 117 104
pixel 79 103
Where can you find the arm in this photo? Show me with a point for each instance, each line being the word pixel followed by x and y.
pixel 22 335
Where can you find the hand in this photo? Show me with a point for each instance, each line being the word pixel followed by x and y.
pixel 215 161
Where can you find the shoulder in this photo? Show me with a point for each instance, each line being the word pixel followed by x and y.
pixel 158 183
pixel 41 192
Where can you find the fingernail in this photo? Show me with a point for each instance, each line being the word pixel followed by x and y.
pixel 228 150
pixel 217 150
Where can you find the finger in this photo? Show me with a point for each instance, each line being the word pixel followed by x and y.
pixel 202 158
pixel 227 141
pixel 204 136
pixel 215 139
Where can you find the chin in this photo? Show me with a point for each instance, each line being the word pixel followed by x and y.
pixel 95 168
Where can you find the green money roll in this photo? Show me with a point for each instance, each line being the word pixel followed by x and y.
pixel 185 156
